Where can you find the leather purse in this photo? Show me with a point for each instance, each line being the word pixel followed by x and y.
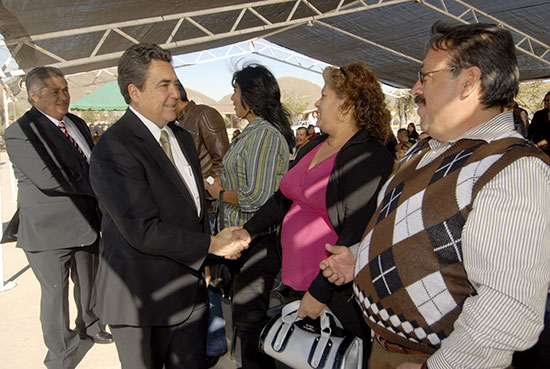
pixel 310 344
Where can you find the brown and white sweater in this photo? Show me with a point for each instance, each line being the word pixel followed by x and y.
pixel 410 281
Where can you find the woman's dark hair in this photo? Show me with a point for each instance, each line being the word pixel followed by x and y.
pixel 260 91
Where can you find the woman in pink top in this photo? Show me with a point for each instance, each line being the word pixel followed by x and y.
pixel 329 194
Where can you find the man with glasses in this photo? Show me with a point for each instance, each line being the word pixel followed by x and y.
pixel 453 268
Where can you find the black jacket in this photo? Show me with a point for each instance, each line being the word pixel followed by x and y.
pixel 361 167
pixel 153 243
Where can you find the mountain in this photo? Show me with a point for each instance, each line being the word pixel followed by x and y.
pixel 298 88
pixel 199 98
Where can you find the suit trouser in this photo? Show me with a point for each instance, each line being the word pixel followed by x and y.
pixel 382 359
pixel 180 346
pixel 252 286
pixel 52 268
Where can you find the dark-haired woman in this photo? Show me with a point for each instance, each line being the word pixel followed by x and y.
pixel 252 169
pixel 411 132
pixel 329 193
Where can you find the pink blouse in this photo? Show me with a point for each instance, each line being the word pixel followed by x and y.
pixel 306 227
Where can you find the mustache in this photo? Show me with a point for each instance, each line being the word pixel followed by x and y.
pixel 419 99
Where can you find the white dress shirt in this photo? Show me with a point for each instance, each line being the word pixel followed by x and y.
pixel 73 131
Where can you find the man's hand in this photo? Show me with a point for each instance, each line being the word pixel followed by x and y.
pixel 339 267
pixel 310 307
pixel 239 235
pixel 214 189
pixel 223 243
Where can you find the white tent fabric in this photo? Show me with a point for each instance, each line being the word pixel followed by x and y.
pixel 388 35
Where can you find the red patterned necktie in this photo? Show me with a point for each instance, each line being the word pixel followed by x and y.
pixel 64 130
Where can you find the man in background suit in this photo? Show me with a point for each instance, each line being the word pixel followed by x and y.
pixel 207 128
pixel 58 214
pixel 147 177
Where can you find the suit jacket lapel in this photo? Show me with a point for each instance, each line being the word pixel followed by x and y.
pixel 197 173
pixel 54 135
pixel 158 155
pixel 83 128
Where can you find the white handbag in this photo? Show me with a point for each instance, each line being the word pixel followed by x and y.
pixel 302 345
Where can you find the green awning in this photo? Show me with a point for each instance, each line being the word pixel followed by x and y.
pixel 107 97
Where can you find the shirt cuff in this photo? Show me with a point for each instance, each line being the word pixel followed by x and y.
pixel 355 249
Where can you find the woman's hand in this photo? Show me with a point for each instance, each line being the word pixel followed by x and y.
pixel 214 188
pixel 207 275
pixel 310 307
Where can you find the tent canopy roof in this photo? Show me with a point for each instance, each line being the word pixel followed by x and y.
pixel 388 35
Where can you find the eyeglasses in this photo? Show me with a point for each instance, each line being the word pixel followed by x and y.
pixel 422 75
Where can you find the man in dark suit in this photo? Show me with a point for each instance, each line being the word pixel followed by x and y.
pixel 147 177
pixel 58 214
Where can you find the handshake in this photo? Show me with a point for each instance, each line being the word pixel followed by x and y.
pixel 229 242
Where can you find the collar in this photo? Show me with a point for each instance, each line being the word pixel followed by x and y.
pixel 152 127
pixel 495 128
pixel 190 105
pixel 251 126
pixel 54 121
pixel 255 123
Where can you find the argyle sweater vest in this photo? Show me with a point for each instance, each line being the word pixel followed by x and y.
pixel 410 279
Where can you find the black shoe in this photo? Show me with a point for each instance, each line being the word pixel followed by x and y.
pixel 211 360
pixel 103 338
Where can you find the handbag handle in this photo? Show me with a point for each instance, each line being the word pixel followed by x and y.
pixel 289 315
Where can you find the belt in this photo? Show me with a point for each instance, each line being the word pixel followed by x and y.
pixel 394 347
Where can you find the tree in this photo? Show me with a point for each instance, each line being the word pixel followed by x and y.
pixel 531 94
pixel 402 108
pixel 295 105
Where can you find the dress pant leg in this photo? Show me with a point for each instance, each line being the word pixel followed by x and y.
pixel 216 342
pixel 133 345
pixel 84 265
pixel 252 286
pixel 188 347
pixel 51 268
pixel 181 346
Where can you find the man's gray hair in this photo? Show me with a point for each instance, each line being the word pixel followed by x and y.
pixel 34 80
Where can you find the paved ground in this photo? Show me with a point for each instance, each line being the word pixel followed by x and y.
pixel 21 344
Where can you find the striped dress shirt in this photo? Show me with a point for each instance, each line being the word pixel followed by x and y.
pixel 506 250
pixel 254 165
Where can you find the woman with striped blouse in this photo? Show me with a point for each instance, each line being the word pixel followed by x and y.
pixel 252 169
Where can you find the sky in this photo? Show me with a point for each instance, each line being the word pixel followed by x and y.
pixel 214 78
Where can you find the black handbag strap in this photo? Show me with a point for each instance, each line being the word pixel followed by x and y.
pixel 221 218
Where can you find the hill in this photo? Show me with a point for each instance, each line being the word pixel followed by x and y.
pixel 300 89
pixel 199 98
